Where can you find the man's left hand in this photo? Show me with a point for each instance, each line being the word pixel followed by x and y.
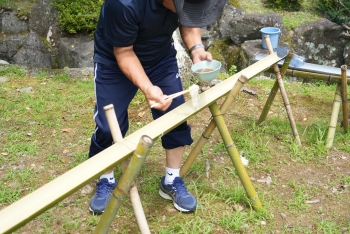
pixel 200 54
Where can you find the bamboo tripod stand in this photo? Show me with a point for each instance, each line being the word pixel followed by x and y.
pixel 279 85
pixel 218 121
pixel 340 96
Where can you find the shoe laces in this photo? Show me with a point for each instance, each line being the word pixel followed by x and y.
pixel 103 188
pixel 179 187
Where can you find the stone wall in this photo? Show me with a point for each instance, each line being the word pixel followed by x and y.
pixel 39 41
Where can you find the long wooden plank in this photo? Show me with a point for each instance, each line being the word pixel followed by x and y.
pixel 22 211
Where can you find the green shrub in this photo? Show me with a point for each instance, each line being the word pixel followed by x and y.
pixel 336 11
pixel 78 15
pixel 285 5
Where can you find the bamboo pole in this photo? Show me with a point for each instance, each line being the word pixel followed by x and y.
pixel 283 93
pixel 330 79
pixel 134 195
pixel 334 117
pixel 211 126
pixel 344 98
pixel 274 89
pixel 235 158
pixel 126 181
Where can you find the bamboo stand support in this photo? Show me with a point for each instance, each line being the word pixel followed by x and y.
pixel 234 155
pixel 107 218
pixel 334 116
pixel 274 89
pixel 232 150
pixel 329 79
pixel 344 98
pixel 283 93
pixel 211 126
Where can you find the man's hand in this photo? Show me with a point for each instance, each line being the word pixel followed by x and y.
pixel 156 98
pixel 200 54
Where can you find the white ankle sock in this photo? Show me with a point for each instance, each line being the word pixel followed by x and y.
pixel 170 175
pixel 109 177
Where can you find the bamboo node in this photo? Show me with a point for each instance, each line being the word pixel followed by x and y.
pixel 329 79
pixel 230 145
pixel 207 138
pixel 118 198
pixel 123 191
pixel 218 115
pixel 254 198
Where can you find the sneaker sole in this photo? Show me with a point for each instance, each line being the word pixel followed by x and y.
pixel 95 211
pixel 167 197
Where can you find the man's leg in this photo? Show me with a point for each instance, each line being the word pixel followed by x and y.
pixel 172 186
pixel 166 76
pixel 111 87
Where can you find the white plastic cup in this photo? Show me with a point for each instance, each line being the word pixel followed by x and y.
pixel 297 61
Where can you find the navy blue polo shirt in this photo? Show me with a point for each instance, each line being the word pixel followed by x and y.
pixel 145 24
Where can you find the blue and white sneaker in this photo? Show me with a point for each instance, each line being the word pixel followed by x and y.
pixel 99 201
pixel 183 200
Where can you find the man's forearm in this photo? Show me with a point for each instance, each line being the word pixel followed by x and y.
pixel 192 38
pixel 130 65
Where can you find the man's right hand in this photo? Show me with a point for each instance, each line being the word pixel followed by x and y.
pixel 156 98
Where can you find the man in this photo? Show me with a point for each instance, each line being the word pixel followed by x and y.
pixel 134 50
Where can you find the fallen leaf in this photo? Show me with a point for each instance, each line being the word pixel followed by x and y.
pixel 5 154
pixel 313 201
pixel 67 130
pixel 141 114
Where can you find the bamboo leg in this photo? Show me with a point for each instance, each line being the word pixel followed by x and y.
pixel 283 93
pixel 124 184
pixel 344 98
pixel 274 90
pixel 234 155
pixel 210 128
pixel 334 116
pixel 134 195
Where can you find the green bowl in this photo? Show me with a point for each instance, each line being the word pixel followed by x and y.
pixel 206 70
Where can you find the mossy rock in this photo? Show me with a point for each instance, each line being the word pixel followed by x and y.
pixel 227 53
